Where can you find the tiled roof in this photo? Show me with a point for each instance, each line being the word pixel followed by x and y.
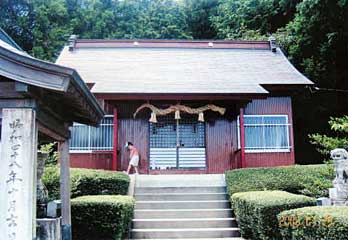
pixel 174 67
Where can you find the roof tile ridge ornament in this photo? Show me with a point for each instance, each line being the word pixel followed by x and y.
pixel 273 43
pixel 72 42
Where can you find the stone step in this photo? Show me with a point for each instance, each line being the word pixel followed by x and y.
pixel 150 190
pixel 180 196
pixel 184 233
pixel 182 180
pixel 207 204
pixel 182 213
pixel 226 238
pixel 185 223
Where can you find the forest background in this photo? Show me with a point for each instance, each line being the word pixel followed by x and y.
pixel 312 33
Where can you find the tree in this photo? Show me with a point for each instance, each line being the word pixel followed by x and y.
pixel 43 26
pixel 324 144
pixel 51 28
pixel 198 17
pixel 17 19
pixel 252 18
pixel 316 43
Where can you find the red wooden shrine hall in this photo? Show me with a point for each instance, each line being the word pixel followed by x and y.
pixel 252 81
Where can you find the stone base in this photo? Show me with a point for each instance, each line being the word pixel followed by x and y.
pixel 334 193
pixel 323 201
pixel 50 229
pixel 339 202
pixel 338 198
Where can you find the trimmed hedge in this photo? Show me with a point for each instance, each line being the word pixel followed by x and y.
pixel 310 180
pixel 86 182
pixel 329 223
pixel 101 217
pixel 256 212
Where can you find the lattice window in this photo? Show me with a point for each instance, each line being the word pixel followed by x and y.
pixel 191 133
pixel 266 133
pixel 87 138
pixel 163 133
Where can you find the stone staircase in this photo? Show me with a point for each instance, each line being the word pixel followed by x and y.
pixel 182 207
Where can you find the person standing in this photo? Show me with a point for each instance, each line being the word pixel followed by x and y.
pixel 133 156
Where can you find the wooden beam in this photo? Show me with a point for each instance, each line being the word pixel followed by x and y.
pixel 21 87
pixel 18 103
pixel 7 90
pixel 114 155
pixel 49 133
pixel 50 125
pixel 242 136
pixel 65 189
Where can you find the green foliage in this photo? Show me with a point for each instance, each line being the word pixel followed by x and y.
pixel 324 144
pixel 198 17
pixel 50 179
pixel 86 182
pixel 101 217
pixel 47 24
pixel 339 124
pixel 256 212
pixel 318 36
pixel 17 19
pixel 238 18
pixel 311 180
pixel 49 148
pixel 329 223
pixel 51 28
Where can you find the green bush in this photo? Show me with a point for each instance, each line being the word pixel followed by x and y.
pixel 310 180
pixel 101 217
pixel 256 212
pixel 329 223
pixel 86 182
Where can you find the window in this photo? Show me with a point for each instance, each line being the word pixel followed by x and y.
pixel 87 138
pixel 164 133
pixel 265 133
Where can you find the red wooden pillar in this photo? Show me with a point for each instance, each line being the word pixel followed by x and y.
pixel 242 137
pixel 114 155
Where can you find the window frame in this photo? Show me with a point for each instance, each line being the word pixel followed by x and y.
pixel 89 149
pixel 286 149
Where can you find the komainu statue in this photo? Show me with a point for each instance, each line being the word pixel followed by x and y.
pixel 340 157
pixel 339 194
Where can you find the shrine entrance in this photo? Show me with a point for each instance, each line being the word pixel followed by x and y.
pixel 39 101
pixel 177 143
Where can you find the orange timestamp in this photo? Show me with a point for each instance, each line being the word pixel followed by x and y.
pixel 308 221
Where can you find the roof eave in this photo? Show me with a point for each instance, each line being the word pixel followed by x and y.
pixel 180 96
pixel 9 40
pixel 23 68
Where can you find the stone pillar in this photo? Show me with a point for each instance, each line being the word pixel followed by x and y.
pixel 65 189
pixel 18 174
pixel 339 193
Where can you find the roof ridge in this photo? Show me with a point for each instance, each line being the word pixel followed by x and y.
pixel 169 43
pixel 169 40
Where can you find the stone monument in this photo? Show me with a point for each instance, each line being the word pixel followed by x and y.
pixel 339 193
